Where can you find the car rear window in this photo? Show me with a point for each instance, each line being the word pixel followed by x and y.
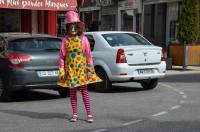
pixel 35 44
pixel 125 39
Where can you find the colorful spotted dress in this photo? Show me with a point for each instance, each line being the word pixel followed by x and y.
pixel 78 67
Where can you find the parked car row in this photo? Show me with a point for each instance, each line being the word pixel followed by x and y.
pixel 29 61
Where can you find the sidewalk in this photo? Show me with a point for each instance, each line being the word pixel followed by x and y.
pixel 179 70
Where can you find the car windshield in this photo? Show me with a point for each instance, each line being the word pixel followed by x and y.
pixel 35 44
pixel 125 39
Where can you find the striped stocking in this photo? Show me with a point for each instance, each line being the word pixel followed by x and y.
pixel 86 99
pixel 73 99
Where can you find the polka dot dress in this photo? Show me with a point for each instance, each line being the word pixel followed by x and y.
pixel 78 72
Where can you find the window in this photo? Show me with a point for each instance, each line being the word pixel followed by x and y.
pixel 173 30
pixel 35 44
pixel 92 41
pixel 61 24
pixel 108 22
pixel 127 20
pixel 9 20
pixel 125 39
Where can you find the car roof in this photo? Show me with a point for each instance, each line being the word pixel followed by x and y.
pixel 105 32
pixel 18 35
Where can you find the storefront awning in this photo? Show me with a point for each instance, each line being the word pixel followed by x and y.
pixel 57 5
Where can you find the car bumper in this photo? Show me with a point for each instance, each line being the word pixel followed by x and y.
pixel 24 79
pixel 126 73
pixel 50 85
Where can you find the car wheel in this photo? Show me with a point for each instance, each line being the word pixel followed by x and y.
pixel 149 84
pixel 104 86
pixel 63 92
pixel 4 94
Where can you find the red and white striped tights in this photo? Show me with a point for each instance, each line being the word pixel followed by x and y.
pixel 85 96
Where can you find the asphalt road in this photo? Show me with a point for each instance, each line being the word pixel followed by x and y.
pixel 174 106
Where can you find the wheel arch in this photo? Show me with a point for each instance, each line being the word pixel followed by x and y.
pixel 103 66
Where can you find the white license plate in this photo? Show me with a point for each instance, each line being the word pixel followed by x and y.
pixel 47 73
pixel 145 71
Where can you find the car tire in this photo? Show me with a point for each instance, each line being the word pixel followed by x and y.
pixel 104 86
pixel 5 95
pixel 149 84
pixel 63 92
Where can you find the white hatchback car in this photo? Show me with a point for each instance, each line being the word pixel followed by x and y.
pixel 125 56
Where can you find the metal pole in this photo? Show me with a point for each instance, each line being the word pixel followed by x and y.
pixel 184 56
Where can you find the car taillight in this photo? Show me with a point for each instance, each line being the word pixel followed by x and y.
pixel 163 55
pixel 17 60
pixel 121 58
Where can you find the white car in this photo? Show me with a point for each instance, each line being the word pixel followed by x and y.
pixel 125 56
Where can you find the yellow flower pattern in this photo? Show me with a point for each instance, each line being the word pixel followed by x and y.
pixel 77 71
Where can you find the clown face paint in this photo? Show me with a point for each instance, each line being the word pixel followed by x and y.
pixel 73 28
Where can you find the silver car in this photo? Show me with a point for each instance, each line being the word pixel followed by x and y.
pixel 125 56
pixel 28 61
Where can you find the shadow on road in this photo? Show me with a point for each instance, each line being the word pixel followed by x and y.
pixel 121 89
pixel 36 115
pixel 37 95
pixel 33 95
pixel 185 78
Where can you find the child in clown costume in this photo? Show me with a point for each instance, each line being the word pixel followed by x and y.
pixel 76 68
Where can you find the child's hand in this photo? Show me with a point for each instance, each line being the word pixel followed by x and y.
pixel 62 74
pixel 62 78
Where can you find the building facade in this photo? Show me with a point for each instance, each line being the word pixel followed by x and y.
pixel 32 21
pixel 109 15
pixel 130 15
pixel 157 20
pixel 36 16
pixel 161 20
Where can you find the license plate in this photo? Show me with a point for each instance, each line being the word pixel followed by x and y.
pixel 47 73
pixel 145 71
